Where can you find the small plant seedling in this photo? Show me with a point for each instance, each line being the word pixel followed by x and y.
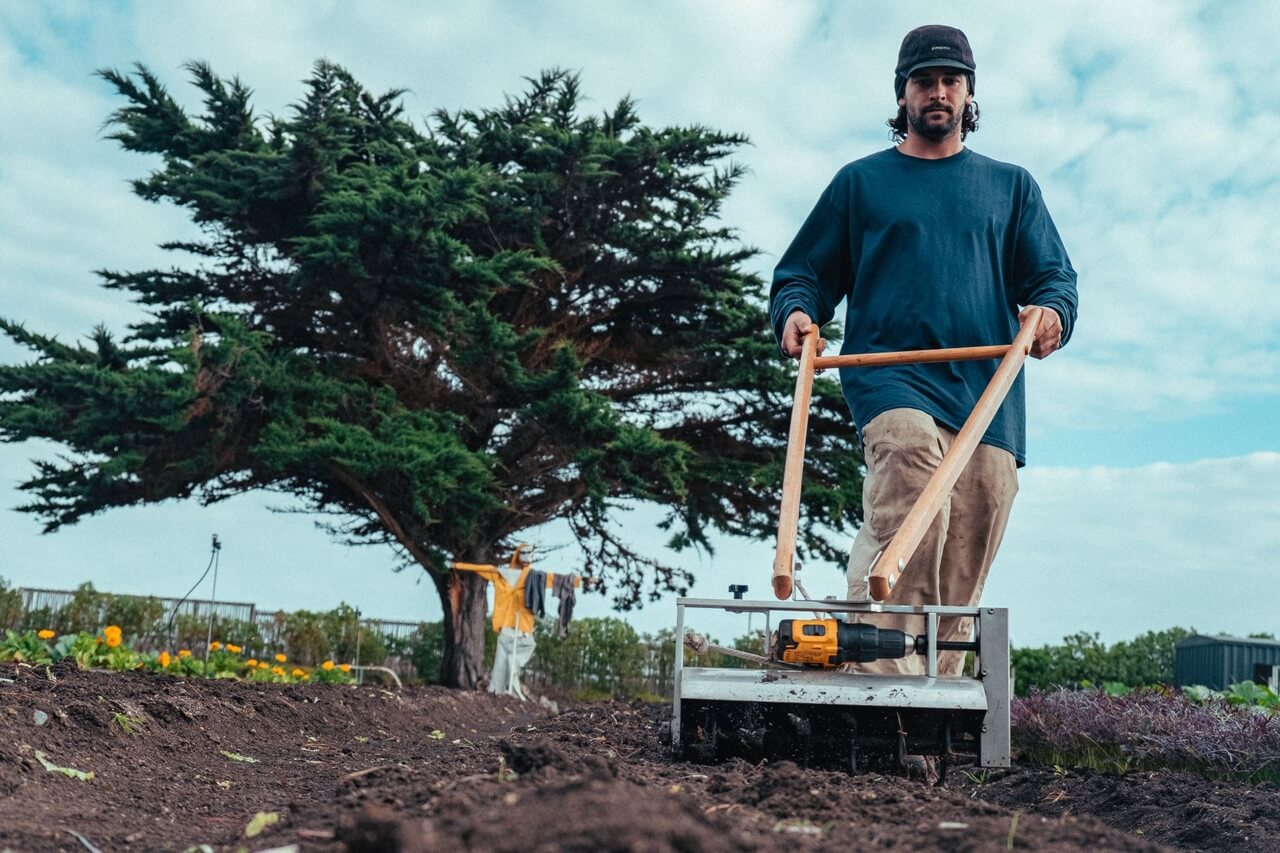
pixel 127 723
pixel 235 756
pixel 436 734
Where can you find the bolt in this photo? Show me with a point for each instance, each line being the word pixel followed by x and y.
pixel 991 610
pixel 984 728
pixel 982 674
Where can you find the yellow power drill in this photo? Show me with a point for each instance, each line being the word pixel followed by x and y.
pixel 830 642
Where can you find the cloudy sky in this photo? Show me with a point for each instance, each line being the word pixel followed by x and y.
pixel 1152 497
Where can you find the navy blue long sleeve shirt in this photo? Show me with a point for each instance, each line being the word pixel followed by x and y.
pixel 928 254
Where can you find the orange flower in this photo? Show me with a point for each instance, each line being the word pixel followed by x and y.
pixel 112 635
pixel 163 659
pixel 327 665
pixel 214 646
pixel 234 649
pixel 281 658
pixel 263 665
pixel 184 653
pixel 277 670
pixel 46 634
pixel 345 667
pixel 297 673
pixel 251 662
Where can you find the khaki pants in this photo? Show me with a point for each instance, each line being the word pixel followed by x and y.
pixel 902 449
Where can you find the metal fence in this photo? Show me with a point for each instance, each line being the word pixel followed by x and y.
pixel 271 624
pixel 56 600
pixel 627 664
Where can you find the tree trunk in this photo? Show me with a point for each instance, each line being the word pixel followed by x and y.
pixel 462 595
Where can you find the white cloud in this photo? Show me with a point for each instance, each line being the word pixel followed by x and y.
pixel 1147 124
pixel 1126 550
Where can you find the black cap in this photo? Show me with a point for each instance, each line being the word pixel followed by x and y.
pixel 932 46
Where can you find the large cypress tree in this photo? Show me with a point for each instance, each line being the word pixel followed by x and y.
pixel 443 335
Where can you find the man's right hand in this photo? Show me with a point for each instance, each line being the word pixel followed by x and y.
pixel 793 332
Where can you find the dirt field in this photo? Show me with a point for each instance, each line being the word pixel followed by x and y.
pixel 180 764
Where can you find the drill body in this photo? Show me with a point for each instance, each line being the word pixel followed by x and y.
pixel 830 642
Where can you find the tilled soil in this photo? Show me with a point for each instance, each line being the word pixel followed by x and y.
pixel 179 764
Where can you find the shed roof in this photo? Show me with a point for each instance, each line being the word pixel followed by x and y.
pixel 1201 640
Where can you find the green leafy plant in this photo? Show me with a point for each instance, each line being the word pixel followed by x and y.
pixel 1252 694
pixel 26 647
pixel 11 608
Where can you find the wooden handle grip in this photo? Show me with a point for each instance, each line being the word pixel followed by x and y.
pixel 793 468
pixel 893 560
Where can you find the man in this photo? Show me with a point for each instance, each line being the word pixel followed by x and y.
pixel 930 245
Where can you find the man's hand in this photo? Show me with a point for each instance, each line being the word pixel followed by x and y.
pixel 793 332
pixel 1048 337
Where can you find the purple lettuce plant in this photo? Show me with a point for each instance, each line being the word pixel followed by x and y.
pixel 1147 730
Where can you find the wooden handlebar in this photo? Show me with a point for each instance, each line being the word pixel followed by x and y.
pixel 793 469
pixel 893 560
pixel 889 566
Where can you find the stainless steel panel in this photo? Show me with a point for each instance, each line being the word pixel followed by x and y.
pixel 832 688
pixel 991 666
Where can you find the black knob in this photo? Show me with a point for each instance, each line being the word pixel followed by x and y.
pixel 737 589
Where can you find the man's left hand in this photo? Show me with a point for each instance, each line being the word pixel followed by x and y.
pixel 1048 334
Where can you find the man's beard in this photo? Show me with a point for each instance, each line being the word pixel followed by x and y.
pixel 936 131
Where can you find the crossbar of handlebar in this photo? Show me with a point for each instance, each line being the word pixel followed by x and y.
pixel 917 356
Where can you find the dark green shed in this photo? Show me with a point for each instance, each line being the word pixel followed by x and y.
pixel 1219 662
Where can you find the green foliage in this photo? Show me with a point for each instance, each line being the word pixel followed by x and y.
pixel 600 657
pixel 426 650
pixel 305 637
pixel 191 631
pixel 83 614
pixel 11 607
pixel 349 641
pixel 135 615
pixel 1083 661
pixel 1246 693
pixel 312 638
pixel 1251 693
pixel 753 643
pixel 25 647
pixel 36 619
pixel 442 336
